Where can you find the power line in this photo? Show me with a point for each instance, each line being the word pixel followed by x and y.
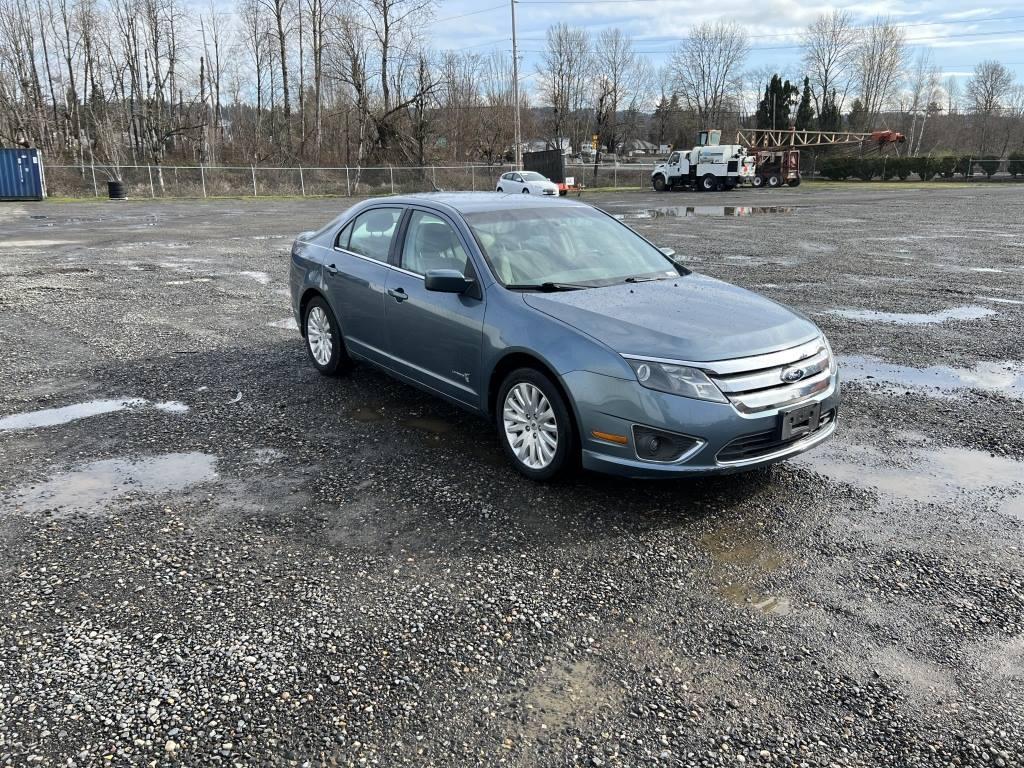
pixel 464 15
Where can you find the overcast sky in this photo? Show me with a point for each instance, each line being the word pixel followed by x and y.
pixel 959 34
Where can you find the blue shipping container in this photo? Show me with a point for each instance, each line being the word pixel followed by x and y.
pixel 21 175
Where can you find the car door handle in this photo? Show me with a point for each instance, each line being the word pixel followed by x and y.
pixel 332 269
pixel 398 294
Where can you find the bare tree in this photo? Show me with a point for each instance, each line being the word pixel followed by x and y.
pixel 563 74
pixel 923 84
pixel 829 44
pixel 706 69
pixel 986 92
pixel 623 80
pixel 879 62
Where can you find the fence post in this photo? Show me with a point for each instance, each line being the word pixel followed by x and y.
pixel 254 192
pixel 433 176
pixel 348 184
pixel 391 168
pixel 95 191
pixel 302 182
pixel 152 189
pixel 472 175
pixel 202 175
pixel 615 175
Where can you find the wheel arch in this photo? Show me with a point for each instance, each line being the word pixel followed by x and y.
pixel 515 359
pixel 308 295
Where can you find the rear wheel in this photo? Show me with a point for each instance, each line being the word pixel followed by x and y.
pixel 535 428
pixel 757 181
pixel 659 183
pixel 794 182
pixel 775 180
pixel 709 183
pixel 324 342
pixel 500 189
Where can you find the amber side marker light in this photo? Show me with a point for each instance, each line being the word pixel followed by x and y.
pixel 618 439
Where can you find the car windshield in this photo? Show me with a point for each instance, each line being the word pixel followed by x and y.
pixel 565 248
pixel 532 176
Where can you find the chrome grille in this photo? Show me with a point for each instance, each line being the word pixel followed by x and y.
pixel 755 384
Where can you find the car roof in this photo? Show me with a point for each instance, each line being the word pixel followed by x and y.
pixel 478 202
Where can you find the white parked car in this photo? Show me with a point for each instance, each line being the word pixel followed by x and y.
pixel 526 183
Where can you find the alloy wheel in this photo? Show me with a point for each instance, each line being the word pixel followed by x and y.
pixel 531 428
pixel 318 335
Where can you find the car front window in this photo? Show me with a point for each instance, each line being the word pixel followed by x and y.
pixel 534 246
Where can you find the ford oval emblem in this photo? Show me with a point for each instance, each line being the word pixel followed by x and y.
pixel 792 375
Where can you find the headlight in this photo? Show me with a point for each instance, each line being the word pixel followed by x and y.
pixel 676 380
pixel 833 364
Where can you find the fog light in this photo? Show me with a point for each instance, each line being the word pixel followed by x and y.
pixel 657 445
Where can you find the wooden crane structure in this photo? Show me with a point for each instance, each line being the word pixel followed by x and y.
pixel 791 138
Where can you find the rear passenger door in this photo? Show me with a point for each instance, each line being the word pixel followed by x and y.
pixel 356 275
pixel 435 337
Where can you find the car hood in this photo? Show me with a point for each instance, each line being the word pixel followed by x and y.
pixel 692 317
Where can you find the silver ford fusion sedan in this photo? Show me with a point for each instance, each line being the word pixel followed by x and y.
pixel 582 341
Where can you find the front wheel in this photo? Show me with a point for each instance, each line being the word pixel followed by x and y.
pixel 535 428
pixel 757 181
pixel 659 183
pixel 324 343
pixel 526 190
pixel 709 183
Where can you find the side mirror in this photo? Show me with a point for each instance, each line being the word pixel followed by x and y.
pixel 670 252
pixel 446 281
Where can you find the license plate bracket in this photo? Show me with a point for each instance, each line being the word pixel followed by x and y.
pixel 799 421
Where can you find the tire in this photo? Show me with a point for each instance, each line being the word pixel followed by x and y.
pixel 756 181
pixel 794 182
pixel 319 324
pixel 500 189
pixel 659 183
pixel 533 457
pixel 526 190
pixel 774 181
pixel 708 183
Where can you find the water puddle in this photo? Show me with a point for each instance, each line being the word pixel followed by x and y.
pixel 1005 378
pixel 92 486
pixel 367 415
pixel 687 211
pixel 189 282
pixel 944 475
pixel 914 318
pixel 985 269
pixel 999 300
pixel 51 417
pixel 260 277
pixel 732 550
pixel 434 426
pixel 288 324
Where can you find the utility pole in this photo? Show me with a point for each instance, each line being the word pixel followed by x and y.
pixel 515 89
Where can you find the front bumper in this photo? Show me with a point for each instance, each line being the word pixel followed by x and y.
pixel 613 406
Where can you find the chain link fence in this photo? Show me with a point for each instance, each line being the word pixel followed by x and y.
pixel 154 181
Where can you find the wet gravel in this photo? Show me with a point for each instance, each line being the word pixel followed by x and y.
pixel 286 569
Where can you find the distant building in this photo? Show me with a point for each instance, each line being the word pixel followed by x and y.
pixel 638 148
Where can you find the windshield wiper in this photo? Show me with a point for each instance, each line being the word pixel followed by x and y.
pixel 546 287
pixel 635 279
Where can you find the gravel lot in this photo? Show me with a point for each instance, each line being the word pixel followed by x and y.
pixel 227 559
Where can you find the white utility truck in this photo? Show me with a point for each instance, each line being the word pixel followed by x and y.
pixel 707 167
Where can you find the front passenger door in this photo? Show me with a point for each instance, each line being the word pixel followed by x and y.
pixel 435 337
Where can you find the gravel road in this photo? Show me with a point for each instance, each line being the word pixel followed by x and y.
pixel 211 555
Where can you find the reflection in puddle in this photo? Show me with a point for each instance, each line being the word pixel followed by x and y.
pixel 936 474
pixel 684 211
pixel 96 484
pixel 51 417
pixel 1006 378
pixel 288 324
pixel 914 318
pixel 744 594
pixel 260 277
pixel 998 300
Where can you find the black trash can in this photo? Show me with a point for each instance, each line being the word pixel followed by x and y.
pixel 116 190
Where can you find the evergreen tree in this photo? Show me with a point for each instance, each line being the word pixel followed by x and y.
pixel 857 116
pixel 830 119
pixel 774 108
pixel 805 112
